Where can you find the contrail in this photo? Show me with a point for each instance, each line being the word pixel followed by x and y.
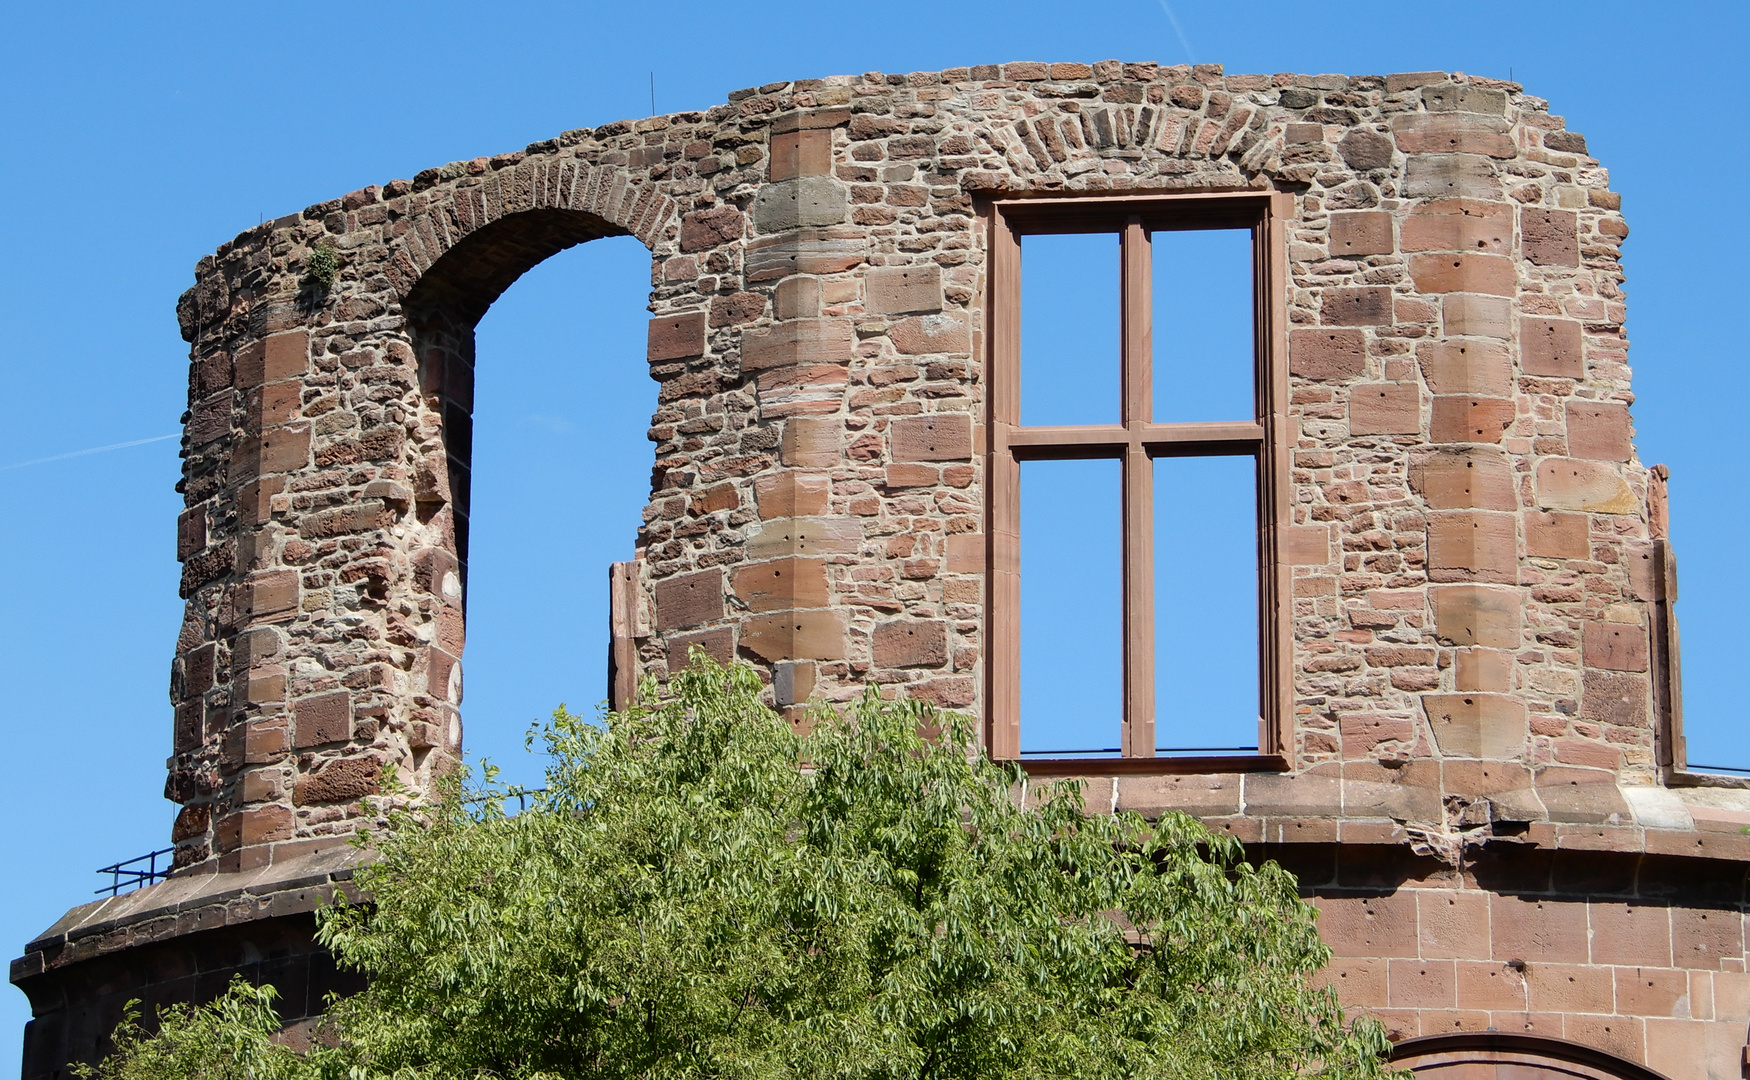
pixel 1177 29
pixel 92 450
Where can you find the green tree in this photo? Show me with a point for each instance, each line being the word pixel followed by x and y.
pixel 685 901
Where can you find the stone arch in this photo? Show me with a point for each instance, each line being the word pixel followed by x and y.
pixel 442 307
pixel 1496 1055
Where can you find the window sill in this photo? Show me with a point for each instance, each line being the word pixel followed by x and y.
pixel 1154 766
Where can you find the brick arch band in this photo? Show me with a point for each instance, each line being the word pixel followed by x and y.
pixel 1481 778
pixel 1491 1055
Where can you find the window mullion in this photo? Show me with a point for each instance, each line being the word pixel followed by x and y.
pixel 1138 482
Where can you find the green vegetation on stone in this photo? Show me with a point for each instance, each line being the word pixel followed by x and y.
pixel 684 901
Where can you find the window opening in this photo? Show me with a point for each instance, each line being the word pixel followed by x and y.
pixel 1164 366
pixel 560 475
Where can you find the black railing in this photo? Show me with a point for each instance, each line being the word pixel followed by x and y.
pixel 126 876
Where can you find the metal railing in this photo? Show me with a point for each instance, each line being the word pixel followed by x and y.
pixel 126 876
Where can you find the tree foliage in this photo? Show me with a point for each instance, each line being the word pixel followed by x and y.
pixel 684 901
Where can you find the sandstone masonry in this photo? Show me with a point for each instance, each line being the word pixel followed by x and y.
pixel 1483 786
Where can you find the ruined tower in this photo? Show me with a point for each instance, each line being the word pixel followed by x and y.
pixel 1469 741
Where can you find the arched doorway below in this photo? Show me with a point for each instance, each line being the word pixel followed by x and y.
pixel 1491 1055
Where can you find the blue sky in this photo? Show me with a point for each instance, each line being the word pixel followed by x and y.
pixel 138 137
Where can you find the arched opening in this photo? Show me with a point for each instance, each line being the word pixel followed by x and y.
pixel 530 348
pixel 1495 1055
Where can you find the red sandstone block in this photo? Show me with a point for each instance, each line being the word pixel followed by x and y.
pixel 702 230
pixel 1454 923
pixel 676 337
pixel 1558 987
pixel 796 635
pixel 1631 934
pixel 791 494
pixel 923 335
pixel 1306 545
pixel 339 781
pixel 1551 347
pixel 910 643
pixel 1702 937
pixel 1369 306
pixel 1453 133
pixel 1486 670
pixel 1576 484
pixel 802 341
pixel 1477 615
pixel 718 643
pixel 1549 237
pixel 1491 275
pixel 271 593
pixel 1540 932
pixel 966 553
pixel 1357 233
pixel 265 824
pixel 283 449
pixel 1327 353
pixel 322 718
pixel 1473 545
pixel 1371 926
pixel 1466 419
pixel 903 290
pixel 1649 991
pixel 1472 315
pixel 1466 367
pixel 1460 225
pixel 1491 985
pixel 935 437
pixel 1551 535
pixel 1598 430
pixel 781 584
pixel 1422 984
pixel 1492 727
pixel 1614 646
pixel 801 153
pixel 689 599
pixel 811 442
pixel 1388 408
pixel 1463 478
pixel 1359 982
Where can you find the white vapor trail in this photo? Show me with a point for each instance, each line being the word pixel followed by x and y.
pixel 1177 29
pixel 91 450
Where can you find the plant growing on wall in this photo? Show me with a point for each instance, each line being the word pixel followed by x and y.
pixel 684 901
pixel 323 265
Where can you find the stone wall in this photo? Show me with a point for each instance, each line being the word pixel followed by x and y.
pixel 1483 659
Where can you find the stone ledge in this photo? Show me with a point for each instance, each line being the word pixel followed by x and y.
pixel 189 903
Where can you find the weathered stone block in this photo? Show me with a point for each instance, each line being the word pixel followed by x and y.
pixel 910 643
pixel 1614 646
pixel 339 781
pixel 1385 408
pixel 1326 353
pixel 792 494
pixel 1551 535
pixel 936 437
pixel 1467 419
pixel 796 635
pixel 689 599
pixel 677 337
pixel 717 642
pixel 1598 430
pixel 1549 237
pixel 1477 725
pixel 1573 484
pixel 1471 315
pixel 781 584
pixel 1477 615
pixel 1361 232
pixel 811 442
pixel 1367 306
pixel 1473 545
pixel 1446 176
pixel 1463 478
pixel 922 335
pixel 800 153
pixel 1552 347
pixel 1306 545
pixel 1460 225
pixel 807 201
pixel 1462 272
pixel 1453 133
pixel 1450 97
pixel 903 290
pixel 803 341
pixel 322 719
pixel 702 230
pixel 1610 697
pixel 805 536
pixel 1466 367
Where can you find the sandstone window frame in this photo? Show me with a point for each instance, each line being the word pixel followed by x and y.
pixel 1135 441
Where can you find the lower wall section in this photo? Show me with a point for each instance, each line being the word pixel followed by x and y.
pixel 1643 962
pixel 76 1007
